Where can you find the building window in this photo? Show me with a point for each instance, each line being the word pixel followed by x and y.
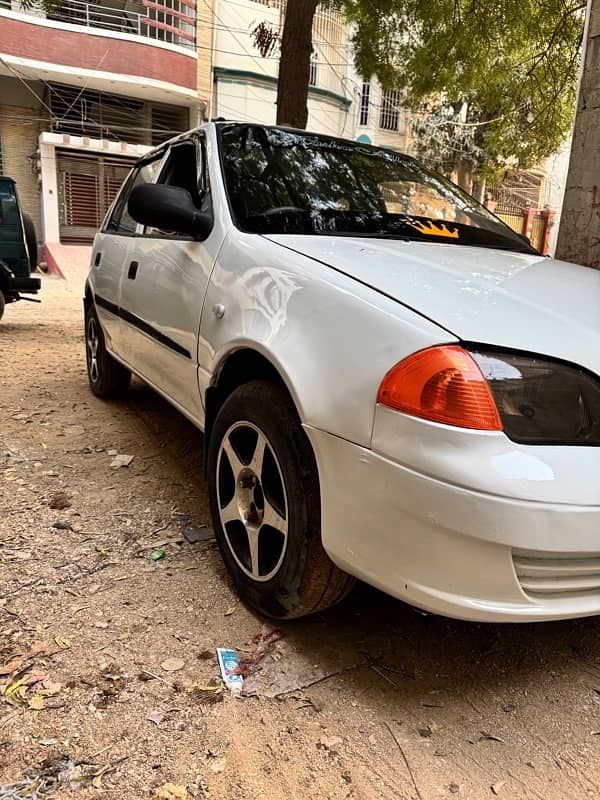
pixel 85 112
pixel 389 118
pixel 313 75
pixel 365 94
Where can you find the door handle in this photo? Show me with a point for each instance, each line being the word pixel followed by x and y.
pixel 97 259
pixel 132 271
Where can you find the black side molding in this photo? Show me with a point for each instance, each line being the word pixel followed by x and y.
pixel 141 325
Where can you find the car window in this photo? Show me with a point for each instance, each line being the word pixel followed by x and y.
pixel 120 221
pixel 282 181
pixel 10 225
pixel 184 168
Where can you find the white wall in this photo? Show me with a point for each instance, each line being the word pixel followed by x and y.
pixel 248 98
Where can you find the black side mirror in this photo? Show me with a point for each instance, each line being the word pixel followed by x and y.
pixel 168 208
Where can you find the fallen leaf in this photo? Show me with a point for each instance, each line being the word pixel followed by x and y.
pixel 497 787
pixel 156 717
pixel 156 555
pixel 229 611
pixel 172 664
pixel 121 461
pixel 195 535
pixel 63 643
pixel 454 788
pixel 15 693
pixel 490 737
pixel 17 663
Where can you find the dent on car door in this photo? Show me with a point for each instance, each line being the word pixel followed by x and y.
pixel 111 252
pixel 165 284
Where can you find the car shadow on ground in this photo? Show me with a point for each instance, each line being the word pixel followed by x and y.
pixel 374 633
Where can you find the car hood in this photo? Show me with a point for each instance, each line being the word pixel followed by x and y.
pixel 496 297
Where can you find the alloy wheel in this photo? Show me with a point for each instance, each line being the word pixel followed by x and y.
pixel 93 345
pixel 252 501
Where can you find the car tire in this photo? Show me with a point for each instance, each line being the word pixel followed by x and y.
pixel 2 304
pixel 31 240
pixel 107 377
pixel 265 505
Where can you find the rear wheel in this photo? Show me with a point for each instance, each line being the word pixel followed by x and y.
pixel 107 377
pixel 2 304
pixel 265 505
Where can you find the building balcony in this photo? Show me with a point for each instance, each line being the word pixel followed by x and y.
pixel 79 40
pixel 170 21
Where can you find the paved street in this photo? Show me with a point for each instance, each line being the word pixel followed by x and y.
pixel 122 690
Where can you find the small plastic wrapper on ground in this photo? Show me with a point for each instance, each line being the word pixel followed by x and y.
pixel 230 670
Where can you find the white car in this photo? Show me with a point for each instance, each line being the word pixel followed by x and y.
pixel 392 384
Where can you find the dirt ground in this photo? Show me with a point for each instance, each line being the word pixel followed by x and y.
pixel 392 705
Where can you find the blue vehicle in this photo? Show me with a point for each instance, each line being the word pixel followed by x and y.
pixel 18 248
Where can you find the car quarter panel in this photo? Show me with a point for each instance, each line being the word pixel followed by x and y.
pixel 331 338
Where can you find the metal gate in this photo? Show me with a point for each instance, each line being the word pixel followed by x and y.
pixel 87 185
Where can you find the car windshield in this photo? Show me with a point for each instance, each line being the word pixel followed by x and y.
pixel 281 181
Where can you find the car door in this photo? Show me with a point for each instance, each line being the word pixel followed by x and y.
pixel 164 285
pixel 111 248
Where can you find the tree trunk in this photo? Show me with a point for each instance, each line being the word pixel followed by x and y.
pixel 479 189
pixel 464 175
pixel 294 65
pixel 579 231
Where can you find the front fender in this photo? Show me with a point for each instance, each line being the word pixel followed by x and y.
pixel 331 339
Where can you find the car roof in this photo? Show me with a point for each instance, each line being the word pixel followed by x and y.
pixel 221 123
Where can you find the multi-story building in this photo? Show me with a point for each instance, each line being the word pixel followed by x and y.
pixel 245 83
pixel 85 88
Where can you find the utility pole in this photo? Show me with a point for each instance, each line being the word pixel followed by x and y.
pixel 579 232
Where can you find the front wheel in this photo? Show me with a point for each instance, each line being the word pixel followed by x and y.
pixel 107 377
pixel 265 505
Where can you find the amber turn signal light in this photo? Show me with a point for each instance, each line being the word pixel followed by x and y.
pixel 441 384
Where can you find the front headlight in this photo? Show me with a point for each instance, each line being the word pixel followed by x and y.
pixel 542 401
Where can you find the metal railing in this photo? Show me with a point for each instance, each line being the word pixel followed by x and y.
pixel 173 24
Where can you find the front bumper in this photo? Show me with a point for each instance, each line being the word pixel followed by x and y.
pixel 470 548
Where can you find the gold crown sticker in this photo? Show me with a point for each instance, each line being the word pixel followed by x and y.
pixel 434 230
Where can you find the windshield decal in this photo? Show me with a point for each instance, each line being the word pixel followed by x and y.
pixel 432 229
